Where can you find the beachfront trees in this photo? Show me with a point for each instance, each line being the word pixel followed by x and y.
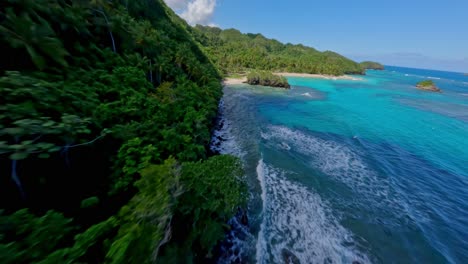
pixel 267 79
pixel 234 52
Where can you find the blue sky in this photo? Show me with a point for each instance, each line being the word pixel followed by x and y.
pixel 428 34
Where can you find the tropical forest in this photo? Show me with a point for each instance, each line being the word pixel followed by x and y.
pixel 106 115
pixel 235 52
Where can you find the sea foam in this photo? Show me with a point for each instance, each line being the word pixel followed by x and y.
pixel 223 140
pixel 333 159
pixel 342 164
pixel 298 225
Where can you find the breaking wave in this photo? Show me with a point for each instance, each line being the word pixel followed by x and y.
pixel 223 140
pixel 333 159
pixel 344 165
pixel 298 226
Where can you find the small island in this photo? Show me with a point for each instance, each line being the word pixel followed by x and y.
pixel 371 65
pixel 428 85
pixel 267 79
pixel 466 74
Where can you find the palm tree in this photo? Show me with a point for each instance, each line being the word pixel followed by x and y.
pixel 98 6
pixel 38 38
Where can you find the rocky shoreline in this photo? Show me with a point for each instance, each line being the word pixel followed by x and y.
pixel 239 224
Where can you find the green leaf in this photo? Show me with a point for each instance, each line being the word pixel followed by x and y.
pixel 14 131
pixel 36 58
pixel 54 149
pixel 19 156
pixel 89 202
pixel 43 156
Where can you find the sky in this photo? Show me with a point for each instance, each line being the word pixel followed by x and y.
pixel 430 34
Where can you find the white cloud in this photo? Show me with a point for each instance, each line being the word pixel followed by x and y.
pixel 177 4
pixel 194 11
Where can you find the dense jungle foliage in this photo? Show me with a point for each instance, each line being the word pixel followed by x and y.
pixel 105 116
pixel 234 52
pixel 267 79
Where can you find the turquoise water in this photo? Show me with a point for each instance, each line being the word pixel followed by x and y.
pixel 373 171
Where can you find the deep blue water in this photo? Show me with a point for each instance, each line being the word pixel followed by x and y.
pixel 373 171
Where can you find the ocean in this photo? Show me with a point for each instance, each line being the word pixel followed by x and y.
pixel 342 171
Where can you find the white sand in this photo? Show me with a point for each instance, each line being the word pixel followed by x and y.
pixel 319 76
pixel 233 81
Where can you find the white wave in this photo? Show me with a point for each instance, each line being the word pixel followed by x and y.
pixel 284 146
pixel 261 180
pixel 333 159
pixel 223 140
pixel 297 224
pixel 418 76
pixel 307 94
pixel 434 78
pixel 346 166
pixel 238 244
pixel 261 241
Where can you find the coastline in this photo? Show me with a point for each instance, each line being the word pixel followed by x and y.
pixel 234 81
pixel 319 76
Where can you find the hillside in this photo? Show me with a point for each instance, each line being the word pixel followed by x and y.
pixel 105 117
pixel 234 52
pixel 371 65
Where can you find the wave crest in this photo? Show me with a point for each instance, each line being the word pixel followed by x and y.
pixel 298 225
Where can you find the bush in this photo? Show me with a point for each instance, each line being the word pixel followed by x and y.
pixel 426 83
pixel 267 79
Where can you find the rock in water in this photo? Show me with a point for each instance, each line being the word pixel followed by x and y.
pixel 289 257
pixel 244 218
pixel 428 85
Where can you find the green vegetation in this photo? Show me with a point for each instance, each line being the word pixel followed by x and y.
pixel 267 79
pixel 370 65
pixel 236 75
pixel 234 52
pixel 426 83
pixel 105 116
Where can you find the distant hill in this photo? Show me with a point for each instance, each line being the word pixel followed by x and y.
pixel 235 52
pixel 371 65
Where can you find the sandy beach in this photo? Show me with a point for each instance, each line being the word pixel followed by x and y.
pixel 319 76
pixel 233 81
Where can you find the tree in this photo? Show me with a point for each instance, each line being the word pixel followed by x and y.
pixel 33 33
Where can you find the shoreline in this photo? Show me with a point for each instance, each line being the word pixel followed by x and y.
pixel 319 76
pixel 242 80
pixel 233 81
